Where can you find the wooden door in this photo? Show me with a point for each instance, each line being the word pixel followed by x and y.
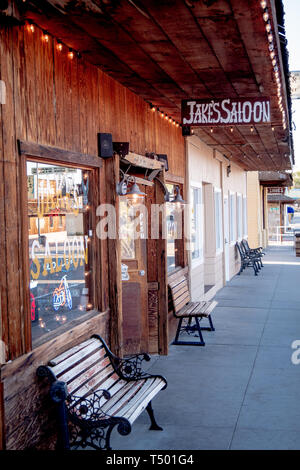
pixel 133 222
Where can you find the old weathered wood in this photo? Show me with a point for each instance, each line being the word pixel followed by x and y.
pixel 144 162
pixel 114 260
pixel 163 336
pixel 46 152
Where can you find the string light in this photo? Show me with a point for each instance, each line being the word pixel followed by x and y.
pixel 45 36
pixel 71 54
pixel 252 129
pixel 263 4
pixel 211 130
pixel 231 129
pixel 30 28
pixel 59 46
pixel 266 15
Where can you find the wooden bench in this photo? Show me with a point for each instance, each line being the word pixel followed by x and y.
pixel 253 251
pixel 186 310
pixel 248 259
pixel 95 391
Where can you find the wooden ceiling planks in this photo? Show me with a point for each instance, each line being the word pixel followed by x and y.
pixel 170 50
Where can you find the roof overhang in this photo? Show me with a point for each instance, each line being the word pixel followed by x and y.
pixel 275 178
pixel 168 51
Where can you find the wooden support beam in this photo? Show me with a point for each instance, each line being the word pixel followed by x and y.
pixel 54 154
pixel 112 168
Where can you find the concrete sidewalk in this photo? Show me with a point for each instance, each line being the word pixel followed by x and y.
pixel 240 391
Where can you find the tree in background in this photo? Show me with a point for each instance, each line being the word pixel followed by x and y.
pixel 296 179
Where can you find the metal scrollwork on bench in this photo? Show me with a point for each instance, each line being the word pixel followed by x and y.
pixel 131 368
pixel 91 425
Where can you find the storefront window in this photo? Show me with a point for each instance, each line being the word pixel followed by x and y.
pixel 218 219
pixel 196 224
pixel 174 231
pixel 59 245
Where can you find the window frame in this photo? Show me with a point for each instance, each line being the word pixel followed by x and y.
pixel 232 221
pixel 200 259
pixel 239 216
pixel 33 152
pixel 245 216
pixel 180 242
pixel 220 221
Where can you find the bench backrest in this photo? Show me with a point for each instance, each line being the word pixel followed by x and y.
pixel 245 245
pixel 241 252
pixel 85 368
pixel 180 293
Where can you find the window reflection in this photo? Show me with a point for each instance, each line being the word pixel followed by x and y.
pixel 59 245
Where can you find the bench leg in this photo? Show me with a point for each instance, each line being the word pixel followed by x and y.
pixel 154 426
pixel 212 328
pixel 178 332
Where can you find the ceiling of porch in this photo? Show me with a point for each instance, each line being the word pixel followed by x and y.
pixel 171 50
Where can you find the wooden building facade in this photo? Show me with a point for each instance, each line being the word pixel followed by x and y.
pixel 78 101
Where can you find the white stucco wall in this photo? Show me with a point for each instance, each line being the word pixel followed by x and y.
pixel 209 169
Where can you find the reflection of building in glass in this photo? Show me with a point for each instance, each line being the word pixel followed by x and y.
pixel 59 248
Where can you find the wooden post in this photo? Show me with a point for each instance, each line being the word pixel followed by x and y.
pixel 163 333
pixel 112 166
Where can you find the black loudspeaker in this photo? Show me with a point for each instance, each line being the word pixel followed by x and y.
pixel 164 159
pixel 121 148
pixel 186 130
pixel 105 146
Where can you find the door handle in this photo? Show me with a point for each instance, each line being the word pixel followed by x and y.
pixel 142 273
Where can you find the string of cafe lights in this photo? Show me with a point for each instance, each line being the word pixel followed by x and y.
pixel 164 115
pixel 60 46
pixel 45 37
pixel 274 59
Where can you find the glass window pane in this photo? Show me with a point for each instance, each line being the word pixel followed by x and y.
pixel 174 230
pixel 196 223
pixel 59 245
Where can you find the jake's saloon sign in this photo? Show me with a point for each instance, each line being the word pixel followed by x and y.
pixel 228 111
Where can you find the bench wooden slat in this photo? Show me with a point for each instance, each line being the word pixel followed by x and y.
pixel 122 396
pixel 90 379
pixel 181 302
pixel 139 397
pixel 70 352
pixel 85 364
pixel 210 308
pixel 182 286
pixel 138 410
pixel 179 293
pixel 177 282
pixel 134 398
pixel 77 357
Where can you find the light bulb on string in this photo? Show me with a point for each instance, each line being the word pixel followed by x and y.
pixel 71 54
pixel 266 16
pixel 45 36
pixel 59 46
pixel 31 28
